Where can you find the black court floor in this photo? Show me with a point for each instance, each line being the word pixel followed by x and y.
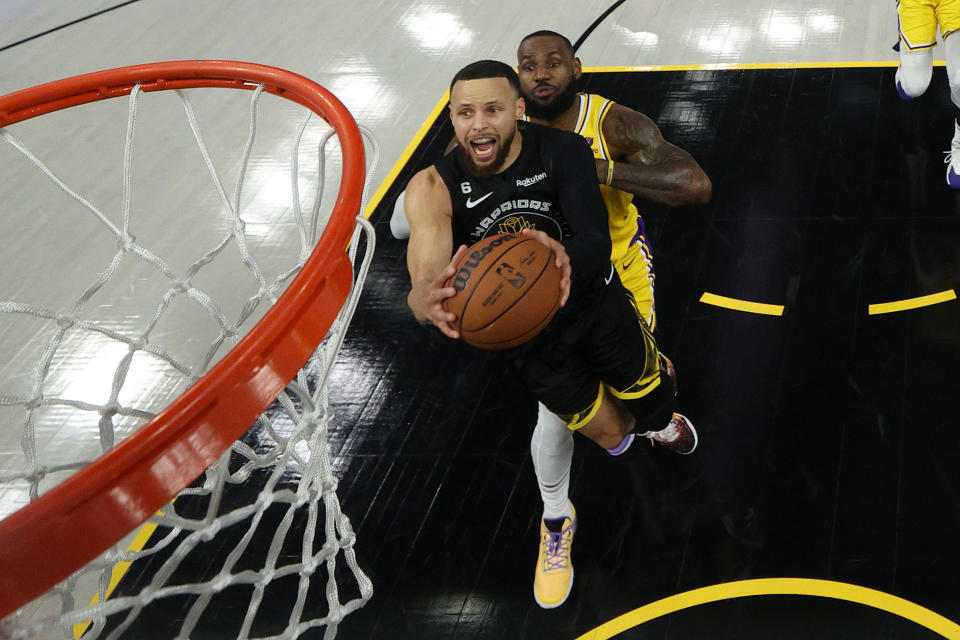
pixel 830 445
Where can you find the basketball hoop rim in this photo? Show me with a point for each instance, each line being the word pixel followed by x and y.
pixel 68 526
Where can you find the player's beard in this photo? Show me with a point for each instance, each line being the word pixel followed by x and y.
pixel 554 108
pixel 498 159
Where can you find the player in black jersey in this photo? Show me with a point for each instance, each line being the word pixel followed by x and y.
pixel 596 363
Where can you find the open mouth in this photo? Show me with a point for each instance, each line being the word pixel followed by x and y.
pixel 483 148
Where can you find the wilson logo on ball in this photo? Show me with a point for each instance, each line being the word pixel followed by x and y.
pixel 507 290
pixel 475 257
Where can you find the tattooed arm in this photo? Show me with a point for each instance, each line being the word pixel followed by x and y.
pixel 647 165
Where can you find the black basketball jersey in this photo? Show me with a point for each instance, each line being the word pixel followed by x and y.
pixel 551 186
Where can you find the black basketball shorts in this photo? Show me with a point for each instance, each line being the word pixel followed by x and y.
pixel 602 344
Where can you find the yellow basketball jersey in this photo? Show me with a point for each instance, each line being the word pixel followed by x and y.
pixel 630 253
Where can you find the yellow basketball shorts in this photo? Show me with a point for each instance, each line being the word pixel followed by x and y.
pixel 636 273
pixel 919 20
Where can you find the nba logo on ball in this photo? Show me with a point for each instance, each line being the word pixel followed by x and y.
pixel 510 275
pixel 508 290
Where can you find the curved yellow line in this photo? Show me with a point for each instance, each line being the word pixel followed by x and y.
pixel 779 586
pixel 911 303
pixel 742 305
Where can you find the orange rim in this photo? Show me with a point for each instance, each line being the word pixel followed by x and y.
pixel 67 527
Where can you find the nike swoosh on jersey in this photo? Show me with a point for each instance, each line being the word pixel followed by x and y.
pixel 472 203
pixel 610 277
pixel 626 265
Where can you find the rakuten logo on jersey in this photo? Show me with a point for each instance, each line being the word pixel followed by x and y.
pixel 526 182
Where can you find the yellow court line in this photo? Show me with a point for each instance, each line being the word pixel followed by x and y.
pixel 742 305
pixel 911 303
pixel 119 569
pixel 728 66
pixel 405 156
pixel 779 586
pixel 422 132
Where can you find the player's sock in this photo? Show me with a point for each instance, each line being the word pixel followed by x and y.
pixel 952 158
pixel 623 446
pixel 900 92
pixel 551 448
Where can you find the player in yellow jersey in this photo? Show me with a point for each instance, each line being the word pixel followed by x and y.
pixel 918 22
pixel 632 159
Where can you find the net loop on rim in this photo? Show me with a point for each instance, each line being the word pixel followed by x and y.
pixel 198 433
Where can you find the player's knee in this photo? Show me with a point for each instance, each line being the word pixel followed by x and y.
pixel 549 422
pixel 606 429
pixel 953 76
pixel 914 81
pixel 399 226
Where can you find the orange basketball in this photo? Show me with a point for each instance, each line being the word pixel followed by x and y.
pixel 508 289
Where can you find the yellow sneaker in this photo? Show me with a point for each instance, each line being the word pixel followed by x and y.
pixel 553 578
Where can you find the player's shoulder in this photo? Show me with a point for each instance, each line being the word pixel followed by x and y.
pixel 551 138
pixel 427 184
pixel 425 178
pixel 597 99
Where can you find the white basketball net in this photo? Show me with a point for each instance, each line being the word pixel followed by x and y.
pixel 263 523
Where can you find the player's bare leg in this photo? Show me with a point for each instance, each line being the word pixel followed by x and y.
pixel 610 425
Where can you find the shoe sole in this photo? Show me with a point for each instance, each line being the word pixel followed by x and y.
pixel 693 430
pixel 561 601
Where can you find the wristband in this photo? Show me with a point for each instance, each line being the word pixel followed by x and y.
pixel 609 173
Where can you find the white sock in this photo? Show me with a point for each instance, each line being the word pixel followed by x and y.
pixel 551 447
pixel 399 226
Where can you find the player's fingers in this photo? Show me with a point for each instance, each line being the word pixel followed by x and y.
pixel 564 290
pixel 443 321
pixel 539 236
pixel 438 294
pixel 456 256
pixel 449 270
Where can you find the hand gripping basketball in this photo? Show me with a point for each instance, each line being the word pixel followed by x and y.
pixel 507 288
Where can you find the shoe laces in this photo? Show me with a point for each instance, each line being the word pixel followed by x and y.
pixel 557 551
pixel 667 434
pixel 948 159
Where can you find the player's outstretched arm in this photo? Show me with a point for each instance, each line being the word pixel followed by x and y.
pixel 647 165
pixel 428 209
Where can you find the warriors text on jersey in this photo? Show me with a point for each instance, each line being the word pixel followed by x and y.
pixel 546 188
pixel 598 340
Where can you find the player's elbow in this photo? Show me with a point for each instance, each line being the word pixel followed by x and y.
pixel 699 188
pixel 691 187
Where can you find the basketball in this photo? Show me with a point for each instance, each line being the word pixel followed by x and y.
pixel 508 289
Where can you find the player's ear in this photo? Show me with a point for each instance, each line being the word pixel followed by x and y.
pixel 521 108
pixel 577 69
